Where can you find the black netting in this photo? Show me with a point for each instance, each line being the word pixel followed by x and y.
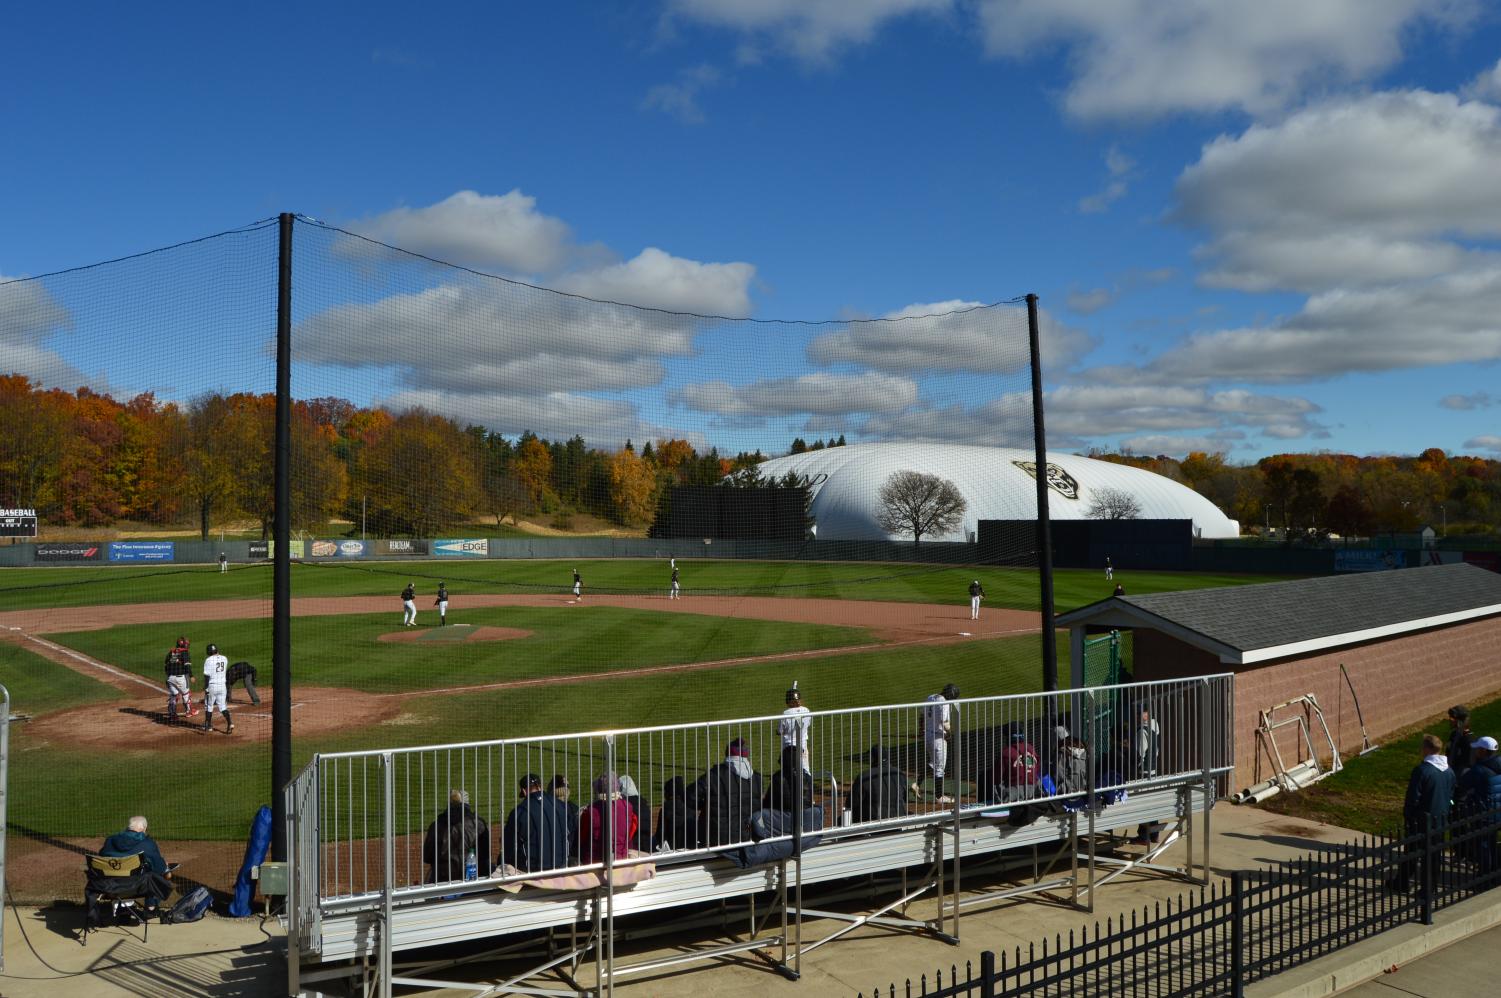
pixel 501 440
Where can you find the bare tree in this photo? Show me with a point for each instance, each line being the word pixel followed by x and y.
pixel 911 502
pixel 1113 504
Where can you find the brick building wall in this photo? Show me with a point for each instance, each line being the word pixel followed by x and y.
pixel 1401 681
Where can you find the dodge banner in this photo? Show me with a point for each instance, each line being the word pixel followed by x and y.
pixel 77 551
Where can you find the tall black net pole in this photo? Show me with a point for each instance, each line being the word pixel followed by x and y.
pixel 1044 528
pixel 281 558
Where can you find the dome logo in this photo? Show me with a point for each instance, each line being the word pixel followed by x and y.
pixel 1059 480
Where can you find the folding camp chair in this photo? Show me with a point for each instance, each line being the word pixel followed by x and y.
pixel 117 881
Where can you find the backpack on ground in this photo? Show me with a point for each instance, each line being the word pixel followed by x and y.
pixel 190 907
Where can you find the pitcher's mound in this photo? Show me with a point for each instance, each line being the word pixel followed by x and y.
pixel 456 632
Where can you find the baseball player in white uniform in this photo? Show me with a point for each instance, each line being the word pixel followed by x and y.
pixel 1109 570
pixel 409 606
pixel 976 594
pixel 794 725
pixel 578 587
pixel 936 724
pixel 676 592
pixel 216 690
pixel 442 603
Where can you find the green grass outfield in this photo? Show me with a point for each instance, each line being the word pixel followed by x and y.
pixel 1017 588
pixel 566 640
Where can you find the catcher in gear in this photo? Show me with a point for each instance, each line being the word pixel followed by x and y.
pixel 179 669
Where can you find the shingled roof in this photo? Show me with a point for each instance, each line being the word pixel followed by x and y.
pixel 1246 624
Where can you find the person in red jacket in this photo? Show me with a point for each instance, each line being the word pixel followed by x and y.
pixel 592 822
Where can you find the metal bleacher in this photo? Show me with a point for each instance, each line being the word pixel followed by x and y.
pixel 360 894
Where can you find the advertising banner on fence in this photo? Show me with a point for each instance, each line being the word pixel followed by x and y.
pixel 77 551
pixel 400 547
pixel 260 549
pixel 294 549
pixel 338 549
pixel 17 523
pixel 1368 561
pixel 463 548
pixel 142 550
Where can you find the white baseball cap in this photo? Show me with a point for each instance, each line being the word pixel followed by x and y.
pixel 1488 743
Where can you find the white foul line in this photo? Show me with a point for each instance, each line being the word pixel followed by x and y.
pixel 95 663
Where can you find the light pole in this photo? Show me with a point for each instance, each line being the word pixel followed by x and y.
pixel 363 500
pixel 1269 519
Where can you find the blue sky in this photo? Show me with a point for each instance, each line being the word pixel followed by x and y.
pixel 1254 226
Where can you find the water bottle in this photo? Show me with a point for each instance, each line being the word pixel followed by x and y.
pixel 471 866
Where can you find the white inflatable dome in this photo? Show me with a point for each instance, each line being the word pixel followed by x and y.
pixel 994 480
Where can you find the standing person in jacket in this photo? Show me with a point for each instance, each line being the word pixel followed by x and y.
pixel 409 606
pixel 622 821
pixel 879 792
pixel 976 594
pixel 451 837
pixel 1478 791
pixel 537 831
pixel 1430 790
pixel 727 796
pixel 1460 740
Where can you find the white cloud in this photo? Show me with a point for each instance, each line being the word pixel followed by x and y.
pixel 1477 400
pixel 1486 86
pixel 1093 411
pixel 1487 442
pixel 29 317
pixel 1143 58
pixel 606 423
pixel 1348 193
pixel 809 29
pixel 504 232
pixel 950 336
pixel 1173 446
pixel 1447 320
pixel 680 98
pixel 657 279
pixel 819 394
pixel 1119 166
pixel 1091 301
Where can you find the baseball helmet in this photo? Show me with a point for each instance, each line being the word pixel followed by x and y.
pixel 793 696
pixel 182 642
pixel 951 692
pixel 213 649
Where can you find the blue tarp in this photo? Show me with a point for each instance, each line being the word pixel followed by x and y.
pixel 255 855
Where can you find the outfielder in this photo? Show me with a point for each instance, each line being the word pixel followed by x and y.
pixel 1109 570
pixel 442 603
pixel 936 726
pixel 578 587
pixel 976 594
pixel 409 606
pixel 179 666
pixel 677 590
pixel 216 690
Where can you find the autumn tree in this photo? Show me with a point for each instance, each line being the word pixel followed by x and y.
pixel 1113 504
pixel 633 488
pixel 418 476
pixel 916 503
pixel 534 468
pixel 34 422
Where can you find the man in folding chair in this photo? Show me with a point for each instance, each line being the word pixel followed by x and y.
pixel 129 868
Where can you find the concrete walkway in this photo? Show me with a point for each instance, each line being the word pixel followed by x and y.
pixel 1466 969
pixel 228 957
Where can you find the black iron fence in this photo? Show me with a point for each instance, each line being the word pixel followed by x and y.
pixel 1217 939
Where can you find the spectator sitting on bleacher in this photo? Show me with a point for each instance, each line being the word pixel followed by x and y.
pixel 1016 771
pixel 592 822
pixel 677 824
pixel 641 839
pixel 537 832
pixel 451 836
pixel 879 792
pixel 727 796
pixel 782 792
pixel 559 790
pixel 1072 768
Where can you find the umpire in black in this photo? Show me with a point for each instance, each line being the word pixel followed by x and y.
pixel 237 672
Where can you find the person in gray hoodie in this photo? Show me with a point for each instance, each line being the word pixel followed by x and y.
pixel 1430 792
pixel 727 795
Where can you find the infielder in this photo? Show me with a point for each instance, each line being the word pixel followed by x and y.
pixel 936 727
pixel 179 667
pixel 976 594
pixel 794 725
pixel 442 603
pixel 677 590
pixel 578 587
pixel 216 690
pixel 409 606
